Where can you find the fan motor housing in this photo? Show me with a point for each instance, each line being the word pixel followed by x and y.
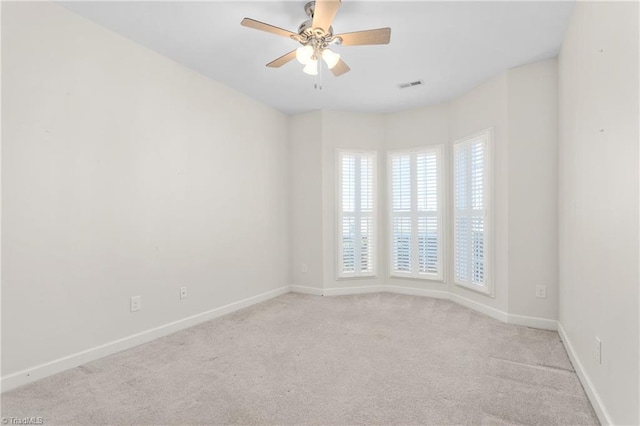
pixel 306 28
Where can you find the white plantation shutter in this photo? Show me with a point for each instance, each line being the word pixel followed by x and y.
pixel 401 208
pixel 472 211
pixel 357 213
pixel 416 213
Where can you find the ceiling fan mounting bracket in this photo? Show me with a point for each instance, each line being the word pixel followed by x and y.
pixel 309 8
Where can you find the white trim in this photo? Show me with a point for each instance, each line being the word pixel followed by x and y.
pixel 522 320
pixel 315 291
pixel 592 394
pixel 41 371
pixel 535 322
pixel 343 291
pixel 412 291
pixel 479 307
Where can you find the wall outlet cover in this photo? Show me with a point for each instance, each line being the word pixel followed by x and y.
pixel 136 303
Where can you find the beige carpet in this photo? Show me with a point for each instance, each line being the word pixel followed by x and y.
pixel 366 359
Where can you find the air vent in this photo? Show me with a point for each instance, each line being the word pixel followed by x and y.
pixel 411 84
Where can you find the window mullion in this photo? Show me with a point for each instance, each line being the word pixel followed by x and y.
pixel 357 244
pixel 340 215
pixel 469 214
pixel 414 208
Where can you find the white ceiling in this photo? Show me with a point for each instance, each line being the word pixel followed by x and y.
pixel 451 46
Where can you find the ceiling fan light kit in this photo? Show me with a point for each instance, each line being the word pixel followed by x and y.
pixel 311 67
pixel 330 58
pixel 304 54
pixel 315 35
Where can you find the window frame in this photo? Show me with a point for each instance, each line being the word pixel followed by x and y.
pixel 340 275
pixel 488 289
pixel 439 149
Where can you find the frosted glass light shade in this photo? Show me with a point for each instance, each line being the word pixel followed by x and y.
pixel 304 54
pixel 331 58
pixel 311 68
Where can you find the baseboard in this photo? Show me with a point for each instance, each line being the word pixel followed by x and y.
pixel 306 290
pixel 479 307
pixel 412 291
pixel 41 371
pixel 592 394
pixel 343 291
pixel 534 322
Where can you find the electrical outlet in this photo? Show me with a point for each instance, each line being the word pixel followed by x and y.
pixel 304 268
pixel 598 350
pixel 541 291
pixel 183 292
pixel 136 303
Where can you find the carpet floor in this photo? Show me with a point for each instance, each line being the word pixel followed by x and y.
pixel 298 359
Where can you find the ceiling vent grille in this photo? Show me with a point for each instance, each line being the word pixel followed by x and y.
pixel 411 84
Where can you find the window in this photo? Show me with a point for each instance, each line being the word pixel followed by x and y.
pixel 472 219
pixel 416 213
pixel 356 214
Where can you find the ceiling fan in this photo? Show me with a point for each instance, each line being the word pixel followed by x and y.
pixel 316 35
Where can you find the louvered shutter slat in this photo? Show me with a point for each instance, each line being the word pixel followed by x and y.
pixel 367 245
pixel 348 245
pixel 402 244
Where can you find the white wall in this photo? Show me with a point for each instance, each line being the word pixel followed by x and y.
pixel 598 203
pixel 348 130
pixel 415 128
pixel 533 188
pixel 305 139
pixel 521 107
pixel 479 109
pixel 126 174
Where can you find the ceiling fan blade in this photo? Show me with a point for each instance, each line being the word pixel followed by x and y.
pixel 257 25
pixel 340 68
pixel 282 60
pixel 359 38
pixel 324 12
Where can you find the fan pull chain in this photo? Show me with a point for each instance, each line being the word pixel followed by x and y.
pixel 318 78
